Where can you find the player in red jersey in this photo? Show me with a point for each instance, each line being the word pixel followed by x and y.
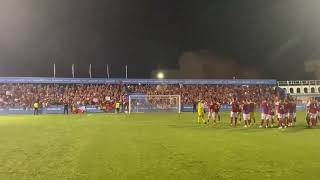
pixel 294 104
pixel 271 114
pixel 234 112
pixel 264 112
pixel 286 111
pixel 290 112
pixel 318 114
pixel 276 106
pixel 211 112
pixel 126 105
pixel 216 110
pixel 307 112
pixel 246 113
pixel 312 112
pixel 281 114
pixel 239 113
pixel 252 112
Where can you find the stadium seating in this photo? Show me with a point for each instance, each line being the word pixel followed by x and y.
pixel 23 95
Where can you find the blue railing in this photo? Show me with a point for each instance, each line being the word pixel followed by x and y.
pixel 58 109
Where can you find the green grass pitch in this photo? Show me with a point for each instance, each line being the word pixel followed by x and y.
pixel 152 146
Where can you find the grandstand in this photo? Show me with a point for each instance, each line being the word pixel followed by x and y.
pixel 19 94
pixel 301 87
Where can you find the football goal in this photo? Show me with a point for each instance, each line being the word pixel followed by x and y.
pixel 154 103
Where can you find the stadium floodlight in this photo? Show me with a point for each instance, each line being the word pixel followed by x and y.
pixel 160 75
pixel 154 103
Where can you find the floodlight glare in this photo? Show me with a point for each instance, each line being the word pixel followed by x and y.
pixel 160 75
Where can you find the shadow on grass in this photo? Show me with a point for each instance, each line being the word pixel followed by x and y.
pixel 240 128
pixel 197 126
pixel 300 128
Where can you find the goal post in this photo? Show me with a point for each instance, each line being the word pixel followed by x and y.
pixel 154 103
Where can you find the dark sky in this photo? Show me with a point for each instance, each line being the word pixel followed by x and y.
pixel 275 37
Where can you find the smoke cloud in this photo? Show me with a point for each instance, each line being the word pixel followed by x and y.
pixel 204 64
pixel 313 66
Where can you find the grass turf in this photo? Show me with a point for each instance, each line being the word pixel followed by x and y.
pixel 152 146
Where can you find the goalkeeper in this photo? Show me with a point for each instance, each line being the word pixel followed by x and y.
pixel 201 112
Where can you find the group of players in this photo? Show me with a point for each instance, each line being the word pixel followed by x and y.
pixel 279 112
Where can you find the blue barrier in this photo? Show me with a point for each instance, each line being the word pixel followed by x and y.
pixel 48 80
pixel 301 107
pixel 92 109
pixel 47 110
pixel 52 110
pixel 16 110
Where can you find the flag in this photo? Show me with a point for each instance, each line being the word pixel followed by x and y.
pixel 72 68
pixel 126 71
pixel 108 71
pixel 54 70
pixel 90 71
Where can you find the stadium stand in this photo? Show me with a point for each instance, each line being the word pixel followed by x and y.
pixel 24 95
pixel 103 96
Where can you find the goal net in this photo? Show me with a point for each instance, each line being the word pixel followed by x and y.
pixel 154 103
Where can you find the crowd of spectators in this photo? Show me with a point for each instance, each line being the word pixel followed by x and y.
pixel 24 95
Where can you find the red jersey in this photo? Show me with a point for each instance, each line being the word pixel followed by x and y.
pixel 281 108
pixel 270 110
pixel 264 107
pixel 276 105
pixel 246 108
pixel 290 108
pixel 235 107
pixel 286 108
pixel 216 107
pixel 294 107
pixel 313 108
pixel 211 107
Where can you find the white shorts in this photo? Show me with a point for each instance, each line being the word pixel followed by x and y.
pixel 234 114
pixel 313 115
pixel 294 115
pixel 246 117
pixel 210 114
pixel 281 116
pixel 269 117
pixel 264 116
pixel 290 115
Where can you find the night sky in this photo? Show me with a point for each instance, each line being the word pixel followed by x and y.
pixel 274 38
